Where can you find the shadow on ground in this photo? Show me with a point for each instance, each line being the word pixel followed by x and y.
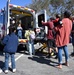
pixel 41 58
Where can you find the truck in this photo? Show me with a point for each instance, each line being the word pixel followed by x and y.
pixel 28 18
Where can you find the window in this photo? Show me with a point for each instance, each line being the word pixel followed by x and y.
pixel 40 18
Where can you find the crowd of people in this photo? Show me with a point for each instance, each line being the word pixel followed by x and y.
pixel 59 32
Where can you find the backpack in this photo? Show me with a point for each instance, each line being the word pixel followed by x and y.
pixel 32 35
pixel 59 22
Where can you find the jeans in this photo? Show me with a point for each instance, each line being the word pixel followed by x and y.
pixel 20 34
pixel 31 47
pixel 65 48
pixel 7 55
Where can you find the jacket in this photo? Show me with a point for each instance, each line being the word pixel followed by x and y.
pixel 63 32
pixel 11 43
pixel 28 34
pixel 50 26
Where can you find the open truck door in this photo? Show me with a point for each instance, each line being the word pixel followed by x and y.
pixel 1 25
pixel 41 30
pixel 7 17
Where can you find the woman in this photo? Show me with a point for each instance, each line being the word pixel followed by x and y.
pixel 62 38
pixel 19 31
pixel 30 35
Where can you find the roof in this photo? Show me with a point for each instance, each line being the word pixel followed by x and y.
pixel 21 7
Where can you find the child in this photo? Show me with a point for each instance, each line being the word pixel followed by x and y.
pixel 11 43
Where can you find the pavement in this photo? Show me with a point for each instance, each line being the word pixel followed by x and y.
pixel 38 64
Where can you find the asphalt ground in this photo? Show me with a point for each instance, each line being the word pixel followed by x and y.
pixel 38 64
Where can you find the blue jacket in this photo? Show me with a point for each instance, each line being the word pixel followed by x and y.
pixel 11 43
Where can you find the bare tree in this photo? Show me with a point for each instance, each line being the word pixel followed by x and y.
pixel 53 6
pixel 60 6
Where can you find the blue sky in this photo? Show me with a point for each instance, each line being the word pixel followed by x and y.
pixel 16 2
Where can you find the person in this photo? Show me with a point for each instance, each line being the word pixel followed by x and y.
pixel 62 38
pixel 19 31
pixel 72 35
pixel 30 35
pixel 50 36
pixel 58 20
pixel 10 42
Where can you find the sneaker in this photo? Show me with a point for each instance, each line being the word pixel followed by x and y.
pixel 0 71
pixel 14 70
pixel 6 71
pixel 52 54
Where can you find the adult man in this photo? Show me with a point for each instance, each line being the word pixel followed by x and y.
pixel 50 36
